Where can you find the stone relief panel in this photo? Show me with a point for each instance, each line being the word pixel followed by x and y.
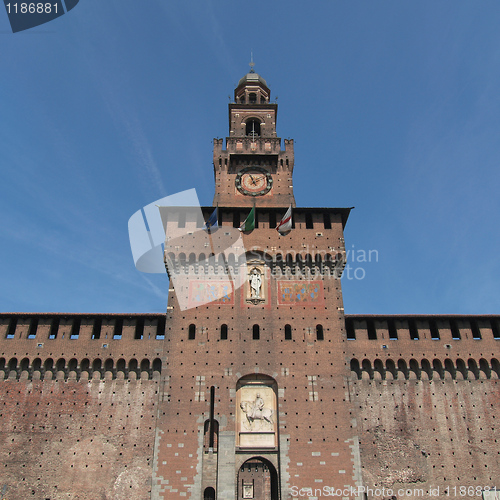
pixel 256 414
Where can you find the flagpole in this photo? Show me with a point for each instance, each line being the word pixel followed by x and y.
pixel 210 229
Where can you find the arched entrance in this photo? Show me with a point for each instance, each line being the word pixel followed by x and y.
pixel 209 494
pixel 257 479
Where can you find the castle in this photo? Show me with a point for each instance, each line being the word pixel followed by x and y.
pixel 256 385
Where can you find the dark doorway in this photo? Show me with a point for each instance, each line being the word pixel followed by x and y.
pixel 257 479
pixel 209 494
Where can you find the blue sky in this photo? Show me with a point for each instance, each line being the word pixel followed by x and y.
pixel 394 107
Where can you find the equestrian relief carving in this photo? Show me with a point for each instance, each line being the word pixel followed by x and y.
pixel 257 416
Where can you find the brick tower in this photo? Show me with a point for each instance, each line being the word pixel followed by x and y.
pixel 255 391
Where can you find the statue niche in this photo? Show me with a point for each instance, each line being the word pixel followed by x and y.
pixel 255 286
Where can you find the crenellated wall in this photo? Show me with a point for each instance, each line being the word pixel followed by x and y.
pixel 78 405
pixel 425 391
pixel 87 399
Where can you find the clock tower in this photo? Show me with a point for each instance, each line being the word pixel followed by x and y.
pixel 253 168
pixel 254 402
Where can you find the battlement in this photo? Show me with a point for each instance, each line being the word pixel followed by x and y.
pixel 35 346
pixel 437 347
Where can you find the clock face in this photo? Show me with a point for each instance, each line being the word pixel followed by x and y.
pixel 254 181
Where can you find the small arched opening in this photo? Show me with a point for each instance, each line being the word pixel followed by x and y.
pixel 192 332
pixel 256 332
pixel 209 494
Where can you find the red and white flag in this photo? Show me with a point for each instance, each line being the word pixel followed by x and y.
pixel 285 225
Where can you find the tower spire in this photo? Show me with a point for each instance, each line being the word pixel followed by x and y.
pixel 251 64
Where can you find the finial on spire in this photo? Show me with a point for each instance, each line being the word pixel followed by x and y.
pixel 251 64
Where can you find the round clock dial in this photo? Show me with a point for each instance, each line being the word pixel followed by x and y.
pixel 254 181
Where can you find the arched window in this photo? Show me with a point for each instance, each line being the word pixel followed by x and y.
pixel 256 332
pixel 356 368
pixel 157 366
pixel 252 98
pixel 253 127
pixel 319 332
pixel 223 332
pixel 288 332
pixel 192 332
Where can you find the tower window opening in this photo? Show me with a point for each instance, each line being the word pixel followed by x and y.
pixel 12 328
pixel 236 219
pixel 182 219
pixel 476 333
pixel 349 326
pixel 495 330
pixel 455 331
pixel 192 332
pixel 252 98
pixel 372 332
pixel 96 329
pixel 139 328
pixel 54 328
pixel 288 332
pixel 393 332
pixel 434 331
pixel 253 128
pixel 160 328
pixel 33 327
pixel 309 221
pixel 413 330
pixel 223 332
pixel 327 221
pixel 117 333
pixel 319 332
pixel 75 328
pixel 256 332
pixel 272 220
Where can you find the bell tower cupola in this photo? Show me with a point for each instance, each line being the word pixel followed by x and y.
pixel 253 169
pixel 252 89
